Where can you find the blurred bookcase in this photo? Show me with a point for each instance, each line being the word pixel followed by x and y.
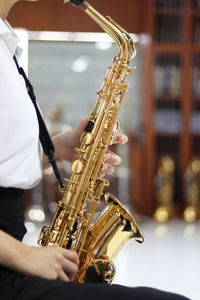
pixel 171 97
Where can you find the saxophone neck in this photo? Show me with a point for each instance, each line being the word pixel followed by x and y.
pixel 123 41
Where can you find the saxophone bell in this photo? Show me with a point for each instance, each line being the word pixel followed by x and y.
pixel 112 229
pixel 100 270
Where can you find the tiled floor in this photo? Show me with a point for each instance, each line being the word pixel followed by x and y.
pixel 169 259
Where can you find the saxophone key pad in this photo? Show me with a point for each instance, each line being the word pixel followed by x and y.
pixel 77 166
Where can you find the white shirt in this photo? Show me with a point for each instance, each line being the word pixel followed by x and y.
pixel 20 150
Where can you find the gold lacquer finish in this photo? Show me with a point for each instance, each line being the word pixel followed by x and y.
pixel 164 183
pixel 73 226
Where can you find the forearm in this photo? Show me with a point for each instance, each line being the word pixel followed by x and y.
pixel 11 251
pixel 61 152
pixel 45 162
pixel 66 143
pixel 45 262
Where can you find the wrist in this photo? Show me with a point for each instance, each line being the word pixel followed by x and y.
pixel 11 251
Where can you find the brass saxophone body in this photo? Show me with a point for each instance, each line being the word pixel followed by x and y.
pixel 73 226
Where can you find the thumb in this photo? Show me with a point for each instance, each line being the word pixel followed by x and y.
pixel 81 127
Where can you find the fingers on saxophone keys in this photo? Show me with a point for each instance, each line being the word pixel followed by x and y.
pixel 70 269
pixel 63 276
pixel 72 256
pixel 108 169
pixel 112 159
pixel 120 138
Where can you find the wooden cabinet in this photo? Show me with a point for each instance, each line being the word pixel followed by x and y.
pixel 55 16
pixel 172 100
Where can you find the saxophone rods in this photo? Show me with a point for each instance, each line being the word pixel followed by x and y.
pixel 73 225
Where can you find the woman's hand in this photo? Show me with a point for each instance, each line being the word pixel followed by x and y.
pixel 49 262
pixel 65 144
pixel 113 159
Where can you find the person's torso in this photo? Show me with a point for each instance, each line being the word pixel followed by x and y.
pixel 20 151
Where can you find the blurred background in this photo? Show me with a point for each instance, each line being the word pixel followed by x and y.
pixel 66 56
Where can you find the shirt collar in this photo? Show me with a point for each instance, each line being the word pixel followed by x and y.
pixel 8 35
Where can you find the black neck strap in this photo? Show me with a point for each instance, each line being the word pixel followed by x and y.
pixel 45 138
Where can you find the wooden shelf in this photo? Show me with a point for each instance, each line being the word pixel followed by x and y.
pixel 169 47
pixel 168 98
pixel 170 10
pixel 195 48
pixel 167 135
pixel 182 145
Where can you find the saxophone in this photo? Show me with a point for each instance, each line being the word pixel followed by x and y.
pixel 96 241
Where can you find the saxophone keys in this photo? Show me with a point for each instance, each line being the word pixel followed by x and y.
pixel 71 229
pixel 43 237
pixel 87 138
pixel 81 214
pixel 77 166
pixel 79 151
pixel 99 92
pixel 130 70
pixel 117 125
pixel 115 130
pixel 105 181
